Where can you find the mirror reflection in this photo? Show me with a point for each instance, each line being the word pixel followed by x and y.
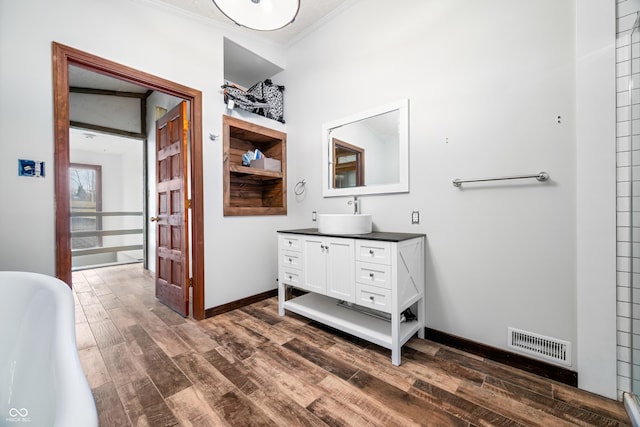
pixel 348 164
pixel 367 153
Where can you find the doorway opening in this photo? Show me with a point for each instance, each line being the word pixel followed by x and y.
pixel 63 57
pixel 106 185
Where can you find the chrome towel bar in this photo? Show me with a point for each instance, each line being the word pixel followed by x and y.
pixel 542 176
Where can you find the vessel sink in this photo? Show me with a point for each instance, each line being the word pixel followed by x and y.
pixel 344 223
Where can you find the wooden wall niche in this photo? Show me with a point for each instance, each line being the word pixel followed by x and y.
pixel 247 190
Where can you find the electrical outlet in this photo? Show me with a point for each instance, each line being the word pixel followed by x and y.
pixel 415 217
pixel 314 216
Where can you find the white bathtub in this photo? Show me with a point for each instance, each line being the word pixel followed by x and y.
pixel 41 380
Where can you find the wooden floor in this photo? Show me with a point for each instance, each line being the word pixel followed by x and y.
pixel 147 366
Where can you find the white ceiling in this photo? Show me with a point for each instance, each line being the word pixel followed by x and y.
pixel 310 14
pixel 98 142
pixel 79 77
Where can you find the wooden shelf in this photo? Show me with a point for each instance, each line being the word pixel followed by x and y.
pixel 253 191
pixel 266 174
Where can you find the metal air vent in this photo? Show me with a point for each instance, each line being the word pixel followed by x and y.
pixel 551 349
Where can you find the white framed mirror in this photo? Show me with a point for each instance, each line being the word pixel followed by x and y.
pixel 367 153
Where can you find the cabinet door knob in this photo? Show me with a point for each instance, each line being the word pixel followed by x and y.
pixel 371 276
pixel 289 259
pixel 290 243
pixel 371 297
pixel 290 277
pixel 371 251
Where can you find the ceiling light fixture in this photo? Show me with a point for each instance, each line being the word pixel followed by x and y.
pixel 262 15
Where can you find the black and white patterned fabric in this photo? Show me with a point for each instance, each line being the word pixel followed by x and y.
pixel 263 98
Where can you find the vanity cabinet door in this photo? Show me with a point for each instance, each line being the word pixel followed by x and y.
pixel 329 267
pixel 315 265
pixel 340 269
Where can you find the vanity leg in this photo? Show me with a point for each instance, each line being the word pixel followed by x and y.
pixel 395 339
pixel 281 291
pixel 421 317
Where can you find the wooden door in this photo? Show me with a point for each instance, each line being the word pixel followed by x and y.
pixel 172 244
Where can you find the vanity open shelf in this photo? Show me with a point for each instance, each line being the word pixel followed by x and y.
pixel 327 311
pixel 372 273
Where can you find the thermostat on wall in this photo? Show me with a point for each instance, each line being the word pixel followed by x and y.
pixel 30 168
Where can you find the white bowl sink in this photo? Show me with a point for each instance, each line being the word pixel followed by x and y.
pixel 344 223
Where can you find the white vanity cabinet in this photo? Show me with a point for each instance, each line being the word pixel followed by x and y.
pixel 359 285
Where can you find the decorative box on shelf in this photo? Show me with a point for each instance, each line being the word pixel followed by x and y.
pixel 267 163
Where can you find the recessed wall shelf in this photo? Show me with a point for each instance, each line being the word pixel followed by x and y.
pixel 249 190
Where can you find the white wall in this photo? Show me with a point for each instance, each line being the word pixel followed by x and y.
pixel 596 196
pixel 491 77
pixel 486 82
pixel 133 33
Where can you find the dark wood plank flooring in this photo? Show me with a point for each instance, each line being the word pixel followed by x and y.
pixel 147 366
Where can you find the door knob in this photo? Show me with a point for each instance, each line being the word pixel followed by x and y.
pixel 155 218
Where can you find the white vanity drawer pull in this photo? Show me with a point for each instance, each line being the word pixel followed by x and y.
pixel 292 277
pixel 377 252
pixel 373 274
pixel 290 259
pixel 289 244
pixel 374 297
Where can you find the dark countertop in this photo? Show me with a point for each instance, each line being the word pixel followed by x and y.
pixel 376 235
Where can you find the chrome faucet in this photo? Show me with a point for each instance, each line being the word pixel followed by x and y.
pixel 356 205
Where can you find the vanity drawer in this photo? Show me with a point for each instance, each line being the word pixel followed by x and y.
pixel 291 259
pixel 373 251
pixel 290 242
pixel 291 276
pixel 373 274
pixel 373 297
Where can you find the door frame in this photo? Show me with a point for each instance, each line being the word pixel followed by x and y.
pixel 62 57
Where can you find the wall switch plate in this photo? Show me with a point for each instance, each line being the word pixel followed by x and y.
pixel 314 216
pixel 415 217
pixel 33 168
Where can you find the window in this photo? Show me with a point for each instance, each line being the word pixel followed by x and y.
pixel 86 196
